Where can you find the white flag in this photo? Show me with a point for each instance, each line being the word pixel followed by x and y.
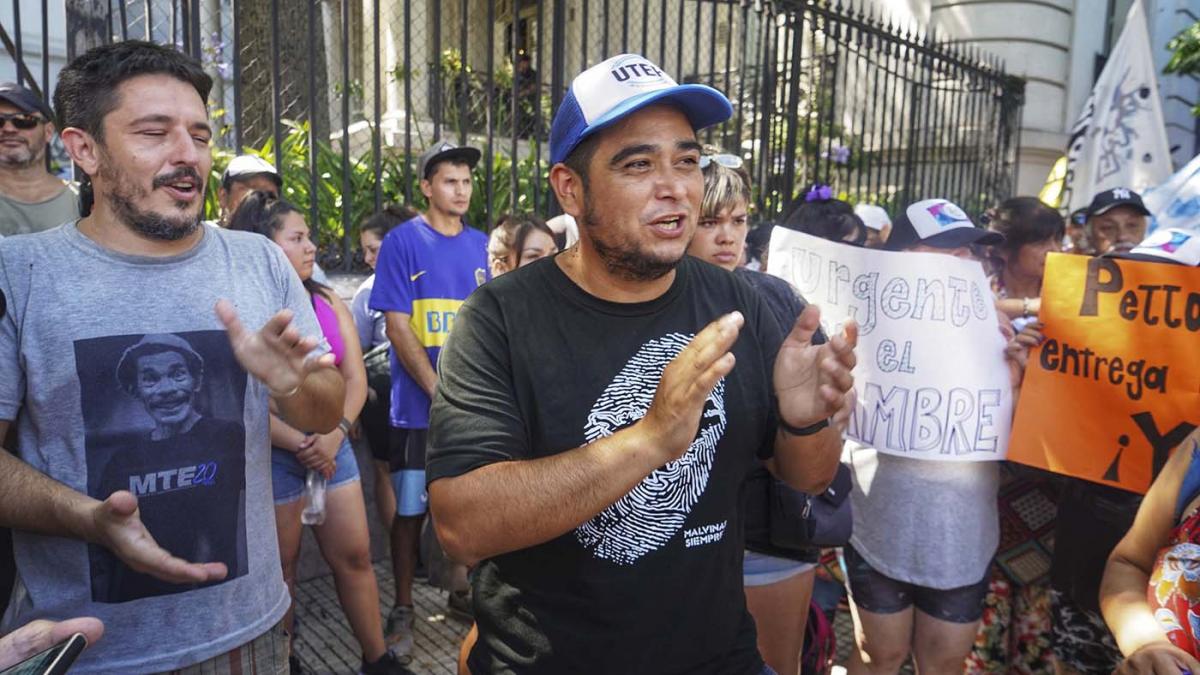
pixel 1120 139
pixel 1176 203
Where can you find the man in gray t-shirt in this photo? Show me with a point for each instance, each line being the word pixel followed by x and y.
pixel 123 379
pixel 31 199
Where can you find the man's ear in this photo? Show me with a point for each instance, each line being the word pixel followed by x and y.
pixel 568 187
pixel 49 132
pixel 426 188
pixel 83 149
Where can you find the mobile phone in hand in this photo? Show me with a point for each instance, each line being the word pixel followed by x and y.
pixel 54 661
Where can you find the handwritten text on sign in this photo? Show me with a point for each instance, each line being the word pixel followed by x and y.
pixel 1116 385
pixel 931 378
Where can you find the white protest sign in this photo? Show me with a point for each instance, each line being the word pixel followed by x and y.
pixel 931 379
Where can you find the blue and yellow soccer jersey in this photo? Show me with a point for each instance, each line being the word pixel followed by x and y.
pixel 426 275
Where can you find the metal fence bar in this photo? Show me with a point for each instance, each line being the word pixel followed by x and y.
pixel 513 178
pixel 237 91
pixel 408 104
pixel 276 90
pixel 796 31
pixel 377 117
pixel 435 69
pixel 645 9
pixel 314 213
pixel 346 91
pixel 583 36
pixel 46 50
pixel 821 91
pixel 489 152
pixel 16 12
pixel 537 113
pixel 460 82
pixel 605 53
pixel 625 27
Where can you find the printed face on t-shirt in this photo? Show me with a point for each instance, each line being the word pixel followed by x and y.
pixel 143 432
pixel 643 195
pixel 166 386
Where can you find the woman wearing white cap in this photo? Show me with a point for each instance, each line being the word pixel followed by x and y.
pixel 924 531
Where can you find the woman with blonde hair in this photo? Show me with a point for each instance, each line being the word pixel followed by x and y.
pixel 778 581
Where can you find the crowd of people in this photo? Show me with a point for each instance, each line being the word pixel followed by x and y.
pixel 606 438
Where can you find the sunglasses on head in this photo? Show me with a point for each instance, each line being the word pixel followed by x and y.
pixel 729 161
pixel 23 121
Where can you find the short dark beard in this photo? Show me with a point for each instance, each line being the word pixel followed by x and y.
pixel 624 262
pixel 147 224
pixel 151 225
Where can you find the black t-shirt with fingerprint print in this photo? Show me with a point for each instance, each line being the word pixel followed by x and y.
pixel 652 584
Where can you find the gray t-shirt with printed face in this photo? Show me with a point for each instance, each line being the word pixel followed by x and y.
pixel 121 377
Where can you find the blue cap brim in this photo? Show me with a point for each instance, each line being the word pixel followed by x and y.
pixel 703 105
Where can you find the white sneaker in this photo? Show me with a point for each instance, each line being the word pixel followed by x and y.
pixel 399 632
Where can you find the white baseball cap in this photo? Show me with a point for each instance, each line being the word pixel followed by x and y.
pixel 245 166
pixel 938 223
pixel 874 217
pixel 620 86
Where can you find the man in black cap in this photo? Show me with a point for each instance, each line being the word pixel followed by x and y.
pixel 31 199
pixel 1116 221
pixel 427 267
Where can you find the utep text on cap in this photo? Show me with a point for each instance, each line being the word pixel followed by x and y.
pixel 620 86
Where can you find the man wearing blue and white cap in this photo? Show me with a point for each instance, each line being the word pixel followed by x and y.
pixel 590 432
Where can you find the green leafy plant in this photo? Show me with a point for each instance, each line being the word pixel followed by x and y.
pixel 395 172
pixel 1185 55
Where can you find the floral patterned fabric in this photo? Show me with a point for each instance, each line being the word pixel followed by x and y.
pixel 1174 590
pixel 1014 634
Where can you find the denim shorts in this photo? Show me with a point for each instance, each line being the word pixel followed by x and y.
pixel 759 569
pixel 288 474
pixel 874 592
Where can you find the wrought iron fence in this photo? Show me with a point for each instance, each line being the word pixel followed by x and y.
pixel 342 95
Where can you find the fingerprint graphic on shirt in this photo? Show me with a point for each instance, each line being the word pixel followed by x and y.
pixel 650 514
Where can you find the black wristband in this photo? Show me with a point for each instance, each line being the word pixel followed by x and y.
pixel 802 431
pixel 344 425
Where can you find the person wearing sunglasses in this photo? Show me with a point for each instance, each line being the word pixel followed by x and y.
pixel 31 198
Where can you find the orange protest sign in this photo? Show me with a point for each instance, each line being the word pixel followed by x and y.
pixel 1115 386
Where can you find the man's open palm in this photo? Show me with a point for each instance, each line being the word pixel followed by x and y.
pixel 277 354
pixel 119 528
pixel 811 381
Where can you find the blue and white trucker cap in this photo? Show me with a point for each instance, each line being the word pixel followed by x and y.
pixel 624 84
